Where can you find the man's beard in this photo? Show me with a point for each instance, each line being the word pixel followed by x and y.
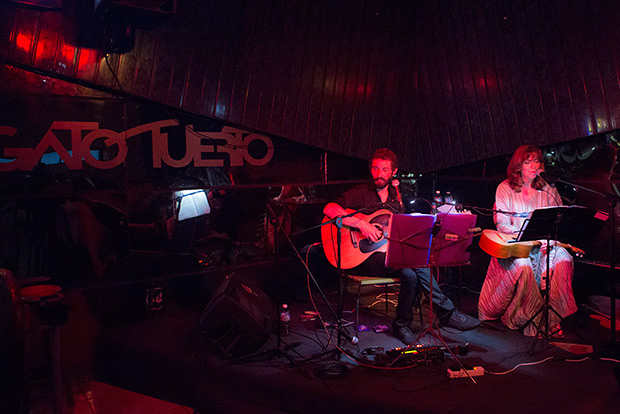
pixel 380 183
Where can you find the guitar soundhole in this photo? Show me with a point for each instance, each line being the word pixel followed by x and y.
pixel 381 222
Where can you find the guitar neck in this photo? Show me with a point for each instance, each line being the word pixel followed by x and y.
pixel 503 246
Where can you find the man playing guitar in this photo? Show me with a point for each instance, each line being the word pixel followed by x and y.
pixel 368 198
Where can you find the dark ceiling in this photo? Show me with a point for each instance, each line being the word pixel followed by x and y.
pixel 443 83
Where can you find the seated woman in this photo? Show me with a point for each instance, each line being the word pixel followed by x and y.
pixel 513 288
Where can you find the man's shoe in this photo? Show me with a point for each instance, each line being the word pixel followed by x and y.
pixel 462 322
pixel 404 334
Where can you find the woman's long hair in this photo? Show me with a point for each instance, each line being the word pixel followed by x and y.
pixel 513 172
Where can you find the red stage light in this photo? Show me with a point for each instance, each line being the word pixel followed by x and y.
pixel 23 42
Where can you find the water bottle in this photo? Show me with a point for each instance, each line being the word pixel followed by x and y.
pixel 448 199
pixel 285 321
pixel 437 201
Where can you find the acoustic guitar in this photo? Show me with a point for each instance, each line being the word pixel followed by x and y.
pixel 354 247
pixel 503 246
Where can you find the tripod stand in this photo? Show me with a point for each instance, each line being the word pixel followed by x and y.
pixel 449 237
pixel 333 252
pixel 279 350
pixel 543 327
pixel 612 201
pixel 571 224
pixel 337 316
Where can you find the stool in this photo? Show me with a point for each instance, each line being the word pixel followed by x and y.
pixel 367 281
pixel 386 282
pixel 47 302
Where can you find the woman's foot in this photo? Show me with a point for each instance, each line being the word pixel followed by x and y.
pixel 554 332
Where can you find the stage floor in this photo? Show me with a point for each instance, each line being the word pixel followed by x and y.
pixel 167 358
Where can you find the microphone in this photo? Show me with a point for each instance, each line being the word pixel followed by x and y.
pixel 550 179
pixel 342 330
pixel 436 228
pixel 351 338
pixel 395 184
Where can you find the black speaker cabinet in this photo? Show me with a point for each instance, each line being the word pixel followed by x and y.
pixel 157 6
pixel 238 319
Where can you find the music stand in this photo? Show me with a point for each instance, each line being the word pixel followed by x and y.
pixel 451 244
pixel 413 235
pixel 573 225
pixel 451 234
pixel 409 239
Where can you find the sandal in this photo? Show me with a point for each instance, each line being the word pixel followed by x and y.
pixel 557 333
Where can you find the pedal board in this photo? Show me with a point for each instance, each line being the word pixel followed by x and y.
pixel 407 355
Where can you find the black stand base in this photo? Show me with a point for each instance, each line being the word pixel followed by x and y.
pixel 333 352
pixel 543 330
pixel 269 354
pixel 431 330
pixel 610 350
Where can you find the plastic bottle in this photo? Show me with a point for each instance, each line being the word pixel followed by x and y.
pixel 448 199
pixel 437 201
pixel 285 321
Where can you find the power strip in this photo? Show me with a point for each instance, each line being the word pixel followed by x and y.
pixel 473 372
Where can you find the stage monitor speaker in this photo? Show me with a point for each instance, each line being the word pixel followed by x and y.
pixel 156 6
pixel 238 319
pixel 137 14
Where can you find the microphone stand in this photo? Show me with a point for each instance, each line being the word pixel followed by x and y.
pixel 612 201
pixel 281 348
pixel 282 351
pixel 338 222
pixel 337 316
pixel 543 328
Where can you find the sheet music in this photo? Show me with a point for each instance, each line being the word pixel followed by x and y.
pixel 423 240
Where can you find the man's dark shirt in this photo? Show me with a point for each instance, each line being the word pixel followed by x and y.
pixel 365 196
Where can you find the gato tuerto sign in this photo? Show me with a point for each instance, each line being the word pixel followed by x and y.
pixel 79 142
